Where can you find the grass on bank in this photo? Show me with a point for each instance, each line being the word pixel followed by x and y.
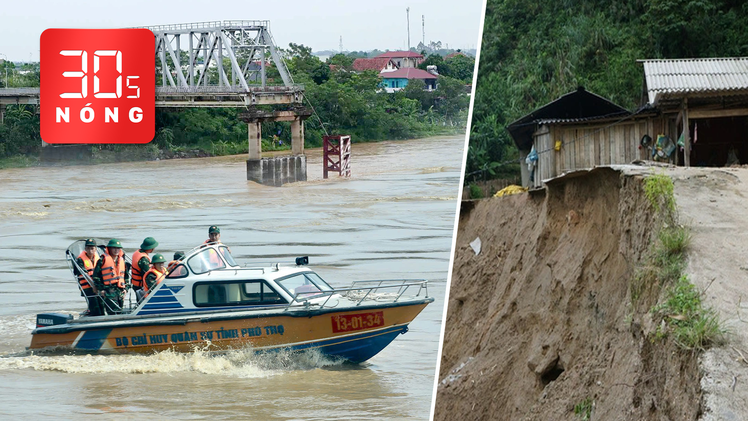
pixel 692 324
pixel 583 410
pixel 18 161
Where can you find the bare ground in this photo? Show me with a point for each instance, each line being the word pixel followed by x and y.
pixel 714 203
pixel 542 320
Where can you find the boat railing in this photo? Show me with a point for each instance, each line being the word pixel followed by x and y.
pixel 76 268
pixel 360 291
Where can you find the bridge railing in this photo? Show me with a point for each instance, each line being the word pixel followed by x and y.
pixel 216 24
pixel 214 89
pixel 19 91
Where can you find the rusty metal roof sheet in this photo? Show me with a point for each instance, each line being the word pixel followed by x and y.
pixel 576 106
pixel 677 78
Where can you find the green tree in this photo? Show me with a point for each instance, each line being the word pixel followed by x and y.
pixel 342 60
pixel 460 67
pixel 452 97
pixel 533 52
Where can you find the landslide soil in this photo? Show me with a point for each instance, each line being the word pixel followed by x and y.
pixel 542 319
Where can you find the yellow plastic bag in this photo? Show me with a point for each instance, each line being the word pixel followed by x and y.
pixel 512 189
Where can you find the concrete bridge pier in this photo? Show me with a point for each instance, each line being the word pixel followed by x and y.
pixel 278 170
pixel 255 140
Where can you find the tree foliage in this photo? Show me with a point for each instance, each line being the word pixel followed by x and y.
pixel 456 67
pixel 346 102
pixel 533 52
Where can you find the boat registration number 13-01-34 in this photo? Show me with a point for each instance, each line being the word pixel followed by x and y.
pixel 359 321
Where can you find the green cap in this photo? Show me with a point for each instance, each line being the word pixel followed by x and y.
pixel 90 242
pixel 149 243
pixel 214 230
pixel 158 258
pixel 179 255
pixel 114 243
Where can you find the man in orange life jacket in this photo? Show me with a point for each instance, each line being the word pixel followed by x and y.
pixel 178 257
pixel 214 235
pixel 87 260
pixel 155 274
pixel 110 276
pixel 214 238
pixel 141 263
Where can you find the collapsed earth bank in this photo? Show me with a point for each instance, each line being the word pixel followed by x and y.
pixel 541 323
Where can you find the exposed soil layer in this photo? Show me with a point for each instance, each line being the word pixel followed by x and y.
pixel 542 319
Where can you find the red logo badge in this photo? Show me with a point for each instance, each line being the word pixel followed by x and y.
pixel 97 86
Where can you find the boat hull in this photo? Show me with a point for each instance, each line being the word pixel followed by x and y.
pixel 355 334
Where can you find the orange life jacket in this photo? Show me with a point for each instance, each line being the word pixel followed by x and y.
pixel 88 265
pixel 214 259
pixel 172 265
pixel 159 277
pixel 111 275
pixel 138 275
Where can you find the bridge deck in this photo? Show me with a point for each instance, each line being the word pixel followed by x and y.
pixel 195 96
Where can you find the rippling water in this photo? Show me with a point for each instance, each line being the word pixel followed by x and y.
pixel 392 219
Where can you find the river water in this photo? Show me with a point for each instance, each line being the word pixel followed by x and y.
pixel 393 219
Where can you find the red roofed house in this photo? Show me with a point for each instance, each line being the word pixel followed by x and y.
pixel 403 58
pixel 455 54
pixel 378 64
pixel 398 79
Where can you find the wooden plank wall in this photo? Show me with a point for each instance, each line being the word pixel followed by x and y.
pixel 589 146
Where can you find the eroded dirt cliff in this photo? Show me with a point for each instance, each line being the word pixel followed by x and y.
pixel 542 320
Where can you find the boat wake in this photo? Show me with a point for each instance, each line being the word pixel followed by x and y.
pixel 239 363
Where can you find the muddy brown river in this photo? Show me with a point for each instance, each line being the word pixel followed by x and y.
pixel 393 219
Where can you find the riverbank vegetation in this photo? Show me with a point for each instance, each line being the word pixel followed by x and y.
pixel 533 52
pixel 344 101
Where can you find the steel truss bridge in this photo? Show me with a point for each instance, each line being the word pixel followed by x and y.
pixel 208 64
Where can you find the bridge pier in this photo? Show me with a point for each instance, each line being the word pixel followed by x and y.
pixel 255 140
pixel 297 136
pixel 2 113
pixel 278 170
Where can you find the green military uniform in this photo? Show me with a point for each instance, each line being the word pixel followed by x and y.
pixel 113 295
pixel 143 264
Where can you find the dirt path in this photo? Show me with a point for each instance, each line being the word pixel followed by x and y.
pixel 714 203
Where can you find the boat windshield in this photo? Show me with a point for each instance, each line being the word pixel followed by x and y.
pixel 206 260
pixel 304 285
pixel 226 253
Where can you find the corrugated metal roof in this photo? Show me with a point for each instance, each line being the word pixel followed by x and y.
pixel 675 78
pixel 576 106
pixel 582 119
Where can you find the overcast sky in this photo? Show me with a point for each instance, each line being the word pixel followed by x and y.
pixel 364 25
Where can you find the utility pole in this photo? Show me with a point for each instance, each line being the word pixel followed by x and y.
pixel 407 14
pixel 423 27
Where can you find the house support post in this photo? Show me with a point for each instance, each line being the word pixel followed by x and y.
pixel 686 139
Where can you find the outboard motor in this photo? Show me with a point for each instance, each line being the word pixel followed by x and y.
pixel 51 319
